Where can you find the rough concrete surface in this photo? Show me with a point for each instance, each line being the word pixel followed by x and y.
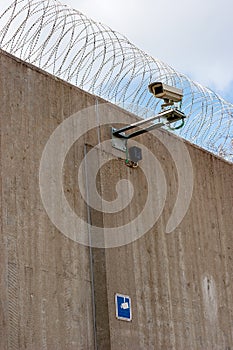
pixel 57 294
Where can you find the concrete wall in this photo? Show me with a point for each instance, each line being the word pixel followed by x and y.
pixel 56 293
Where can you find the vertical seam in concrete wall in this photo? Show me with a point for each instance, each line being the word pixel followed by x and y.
pixel 97 119
pixel 3 253
pixel 90 251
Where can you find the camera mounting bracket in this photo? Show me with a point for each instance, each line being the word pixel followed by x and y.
pixel 166 117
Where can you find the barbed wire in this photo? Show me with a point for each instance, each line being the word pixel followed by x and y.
pixel 88 54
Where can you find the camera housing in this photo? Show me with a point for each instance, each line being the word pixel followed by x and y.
pixel 166 92
pixel 169 114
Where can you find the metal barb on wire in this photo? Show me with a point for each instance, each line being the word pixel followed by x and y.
pixel 88 54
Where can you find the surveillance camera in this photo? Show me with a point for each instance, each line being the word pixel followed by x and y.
pixel 166 92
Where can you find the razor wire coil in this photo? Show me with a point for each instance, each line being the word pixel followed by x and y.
pixel 88 54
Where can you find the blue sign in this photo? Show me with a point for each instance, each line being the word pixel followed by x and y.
pixel 123 307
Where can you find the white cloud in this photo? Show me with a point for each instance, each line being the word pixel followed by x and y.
pixel 193 36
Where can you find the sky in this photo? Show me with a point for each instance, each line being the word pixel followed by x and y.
pixel 192 36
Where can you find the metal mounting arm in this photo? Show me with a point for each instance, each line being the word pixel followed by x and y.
pixel 169 116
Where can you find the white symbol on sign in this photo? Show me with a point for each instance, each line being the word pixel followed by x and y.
pixel 125 306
